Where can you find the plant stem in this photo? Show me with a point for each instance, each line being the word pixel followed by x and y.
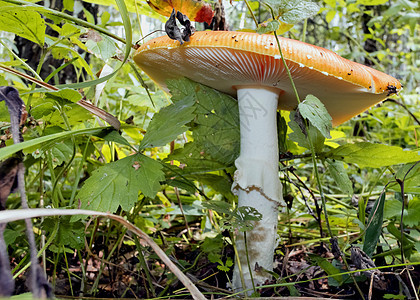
pixel 251 12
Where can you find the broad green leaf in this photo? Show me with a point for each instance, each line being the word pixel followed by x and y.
pixel 168 123
pixel 216 129
pixel 27 24
pixel 313 110
pixel 367 154
pixel 42 109
pixel 69 233
pixel 64 96
pixel 411 213
pixel 118 183
pixel 194 160
pixel 374 226
pixel 410 174
pixel 62 152
pixel 101 45
pixel 339 174
pixel 293 11
pixel 301 139
pixel 76 115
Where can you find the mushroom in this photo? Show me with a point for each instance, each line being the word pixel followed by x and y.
pixel 248 65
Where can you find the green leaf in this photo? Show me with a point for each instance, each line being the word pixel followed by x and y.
pixel 69 233
pixel 282 133
pixel 328 267
pixel 241 218
pixel 371 2
pixel 101 45
pixel 64 96
pixel 216 126
pixel 339 174
pixel 411 213
pixel 111 135
pixel 62 152
pixel 299 137
pixel 42 109
pixel 27 24
pixel 219 183
pixel 315 112
pixel 396 232
pixel 118 183
pixel 9 150
pixel 293 11
pixel 194 159
pixel 374 226
pixel 367 154
pixel 268 27
pixel 169 122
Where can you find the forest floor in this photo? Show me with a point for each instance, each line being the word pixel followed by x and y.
pixel 123 277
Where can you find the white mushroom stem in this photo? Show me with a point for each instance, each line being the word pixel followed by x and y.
pixel 257 181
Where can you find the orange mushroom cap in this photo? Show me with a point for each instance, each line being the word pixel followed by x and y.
pixel 227 60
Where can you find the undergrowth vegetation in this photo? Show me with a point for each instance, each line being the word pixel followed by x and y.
pixel 165 163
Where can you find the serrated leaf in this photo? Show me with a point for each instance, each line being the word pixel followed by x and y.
pixel 293 11
pixel 374 226
pixel 118 183
pixel 315 112
pixel 339 174
pixel 169 122
pixel 217 120
pixel 27 24
pixel 367 154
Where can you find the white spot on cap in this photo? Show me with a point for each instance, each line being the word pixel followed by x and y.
pixel 341 78
pixel 311 68
pixel 277 56
pixel 325 73
pixel 148 46
pixel 301 65
pixel 308 56
pixel 266 47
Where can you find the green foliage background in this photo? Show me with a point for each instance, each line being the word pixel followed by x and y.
pixel 165 166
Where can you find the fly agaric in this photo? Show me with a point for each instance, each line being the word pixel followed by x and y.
pixel 249 66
